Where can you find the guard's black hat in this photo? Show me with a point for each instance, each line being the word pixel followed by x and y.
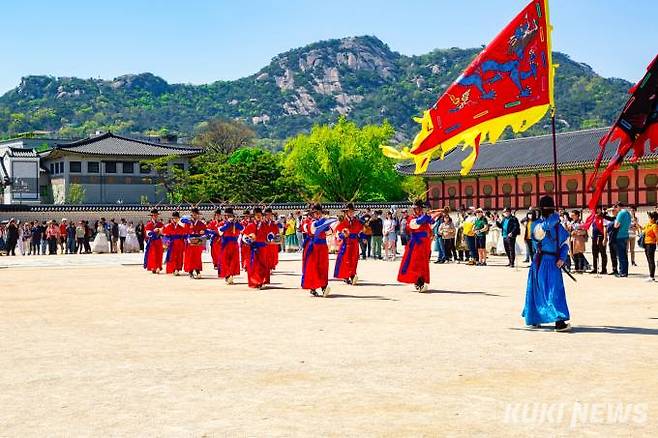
pixel 175 214
pixel 258 210
pixel 419 203
pixel 546 203
pixel 194 210
pixel 268 210
pixel 317 207
pixel 228 210
pixel 349 206
pixel 218 211
pixel 155 211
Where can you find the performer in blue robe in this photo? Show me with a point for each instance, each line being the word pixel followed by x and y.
pixel 545 300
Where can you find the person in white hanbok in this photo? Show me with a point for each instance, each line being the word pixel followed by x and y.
pixel 131 244
pixel 101 243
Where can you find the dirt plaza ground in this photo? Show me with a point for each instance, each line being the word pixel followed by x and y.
pixel 94 346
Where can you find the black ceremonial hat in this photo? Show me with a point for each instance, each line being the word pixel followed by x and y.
pixel 546 203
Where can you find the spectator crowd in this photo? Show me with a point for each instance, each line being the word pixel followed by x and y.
pixel 468 236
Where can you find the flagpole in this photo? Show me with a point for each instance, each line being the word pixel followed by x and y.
pixel 557 188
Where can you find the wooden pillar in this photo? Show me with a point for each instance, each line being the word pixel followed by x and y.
pixel 477 191
pixel 443 192
pixel 516 191
pixel 584 188
pixel 636 174
pixel 537 190
pixel 459 197
pixel 496 203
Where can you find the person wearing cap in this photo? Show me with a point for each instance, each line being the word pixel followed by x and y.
pixel 415 264
pixel 174 234
pixel 315 262
pixel 545 300
pixel 244 247
pixel 348 233
pixel 153 237
pixel 211 232
pixel 510 228
pixel 256 236
pixel 229 255
pixel 195 229
pixel 481 228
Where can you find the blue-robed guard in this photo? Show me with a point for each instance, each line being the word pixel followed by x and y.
pixel 545 299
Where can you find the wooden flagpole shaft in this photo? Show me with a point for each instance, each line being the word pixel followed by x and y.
pixel 557 188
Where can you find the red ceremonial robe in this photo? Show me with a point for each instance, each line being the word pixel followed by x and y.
pixel 215 243
pixel 272 249
pixel 229 261
pixel 348 231
pixel 258 271
pixel 153 249
pixel 193 251
pixel 175 235
pixel 244 248
pixel 315 263
pixel 415 263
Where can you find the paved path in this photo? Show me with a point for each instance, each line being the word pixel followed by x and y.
pixel 87 350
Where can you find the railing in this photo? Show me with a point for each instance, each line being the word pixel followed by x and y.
pixel 291 206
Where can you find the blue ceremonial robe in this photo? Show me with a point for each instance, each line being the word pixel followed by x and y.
pixel 545 299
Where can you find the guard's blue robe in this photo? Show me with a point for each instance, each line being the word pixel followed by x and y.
pixel 545 299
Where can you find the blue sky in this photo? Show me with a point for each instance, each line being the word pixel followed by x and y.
pixel 200 41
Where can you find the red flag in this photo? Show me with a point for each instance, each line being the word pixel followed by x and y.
pixel 510 83
pixel 637 124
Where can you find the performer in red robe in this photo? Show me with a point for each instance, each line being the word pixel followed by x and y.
pixel 244 247
pixel 277 229
pixel 415 265
pixel 153 249
pixel 272 249
pixel 174 234
pixel 255 235
pixel 229 231
pixel 315 263
pixel 211 232
pixel 195 229
pixel 305 226
pixel 349 232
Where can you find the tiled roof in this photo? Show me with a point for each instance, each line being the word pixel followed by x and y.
pixel 574 149
pixel 21 153
pixel 111 144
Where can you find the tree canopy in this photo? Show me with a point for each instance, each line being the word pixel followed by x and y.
pixel 344 162
pixel 224 136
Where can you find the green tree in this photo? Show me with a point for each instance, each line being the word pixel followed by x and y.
pixel 75 194
pixel 344 162
pixel 415 188
pixel 224 136
pixel 247 175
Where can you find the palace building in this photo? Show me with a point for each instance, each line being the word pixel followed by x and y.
pixel 516 173
pixel 108 169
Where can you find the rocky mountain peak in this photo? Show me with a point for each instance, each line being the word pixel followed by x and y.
pixel 143 81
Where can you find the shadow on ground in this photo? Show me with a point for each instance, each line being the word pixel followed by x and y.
pixel 461 292
pixel 612 329
pixel 362 297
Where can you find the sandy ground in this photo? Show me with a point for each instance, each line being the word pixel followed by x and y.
pixel 87 350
